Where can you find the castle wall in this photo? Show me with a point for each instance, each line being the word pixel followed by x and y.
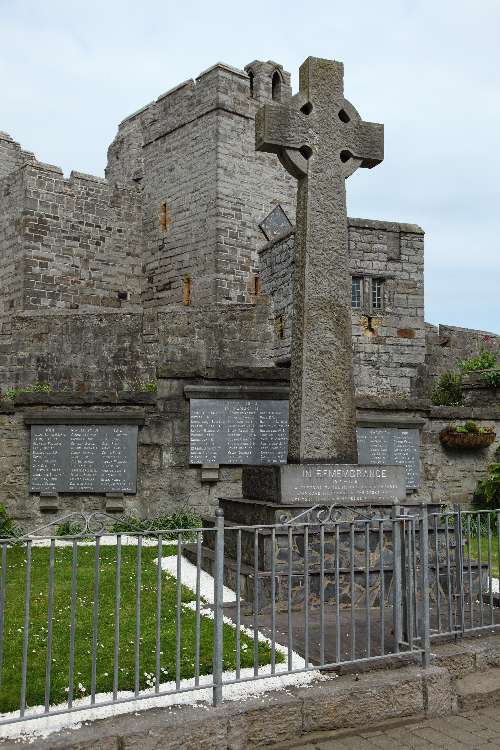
pixel 388 344
pixel 76 352
pixel 82 241
pixel 12 156
pixel 446 346
pixel 205 188
pixel 11 247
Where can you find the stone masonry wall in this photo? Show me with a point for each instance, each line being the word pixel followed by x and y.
pixel 76 352
pixel 446 346
pixel 388 344
pixel 452 475
pixel 12 266
pixel 12 156
pixel 205 188
pixel 82 241
pixel 197 339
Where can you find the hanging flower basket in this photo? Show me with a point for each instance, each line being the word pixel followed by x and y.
pixel 468 439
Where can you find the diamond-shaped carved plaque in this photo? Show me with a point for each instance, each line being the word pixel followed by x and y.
pixel 276 224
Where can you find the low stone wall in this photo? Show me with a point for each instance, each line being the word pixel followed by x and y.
pixel 166 480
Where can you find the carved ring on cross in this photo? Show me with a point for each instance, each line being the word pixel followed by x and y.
pixel 319 122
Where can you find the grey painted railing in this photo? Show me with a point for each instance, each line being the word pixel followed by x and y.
pixel 291 598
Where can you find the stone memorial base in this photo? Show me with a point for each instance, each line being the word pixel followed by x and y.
pixel 288 494
pixel 245 512
pixel 284 497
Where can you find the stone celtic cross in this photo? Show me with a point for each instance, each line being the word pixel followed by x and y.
pixel 320 139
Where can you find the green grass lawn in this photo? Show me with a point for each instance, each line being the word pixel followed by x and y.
pixel 484 552
pixel 37 651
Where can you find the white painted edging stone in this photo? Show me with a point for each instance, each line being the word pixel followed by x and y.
pixel 38 728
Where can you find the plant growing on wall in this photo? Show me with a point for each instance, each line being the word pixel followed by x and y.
pixel 468 435
pixel 491 378
pixel 10 393
pixel 487 493
pixel 448 391
pixel 483 361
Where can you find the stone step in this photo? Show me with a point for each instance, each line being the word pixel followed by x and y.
pixel 479 689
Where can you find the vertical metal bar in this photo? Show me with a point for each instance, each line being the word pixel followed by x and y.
pixel 353 584
pixel 72 623
pixel 469 566
pixel 459 572
pixel 178 612
pixel 322 594
pixel 218 606
pixel 158 616
pixel 197 636
pixel 50 609
pixel 26 625
pixel 289 597
pixel 138 582
pixel 424 570
pixel 238 604
pixel 382 587
pixel 396 544
pixel 116 645
pixel 367 589
pixel 306 595
pixel 438 587
pixel 410 587
pixel 490 574
pixel 273 600
pixel 256 602
pixel 337 593
pixel 448 573
pixel 405 591
pixel 3 584
pixel 479 567
pixel 498 549
pixel 95 619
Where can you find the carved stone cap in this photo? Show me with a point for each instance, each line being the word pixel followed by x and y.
pixel 84 417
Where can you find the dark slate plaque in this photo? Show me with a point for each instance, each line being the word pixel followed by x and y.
pixel 83 458
pixel 238 431
pixel 392 445
pixel 351 484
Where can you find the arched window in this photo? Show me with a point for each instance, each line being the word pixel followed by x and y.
pixel 251 76
pixel 276 86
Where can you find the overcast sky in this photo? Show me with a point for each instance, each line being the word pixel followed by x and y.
pixel 70 70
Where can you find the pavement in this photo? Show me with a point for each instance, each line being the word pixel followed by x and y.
pixel 465 731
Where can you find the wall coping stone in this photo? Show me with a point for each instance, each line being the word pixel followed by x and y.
pixel 237 391
pixel 85 417
pixel 370 420
pixel 84 399
pixel 226 67
pixel 179 372
pixel 389 403
pixel 489 413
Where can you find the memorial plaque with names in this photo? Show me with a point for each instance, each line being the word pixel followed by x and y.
pixel 393 446
pixel 238 431
pixel 333 484
pixel 83 458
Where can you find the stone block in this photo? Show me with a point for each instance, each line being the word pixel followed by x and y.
pixel 276 717
pixel 375 696
pixel 439 693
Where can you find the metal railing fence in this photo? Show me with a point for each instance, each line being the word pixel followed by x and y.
pixel 97 619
